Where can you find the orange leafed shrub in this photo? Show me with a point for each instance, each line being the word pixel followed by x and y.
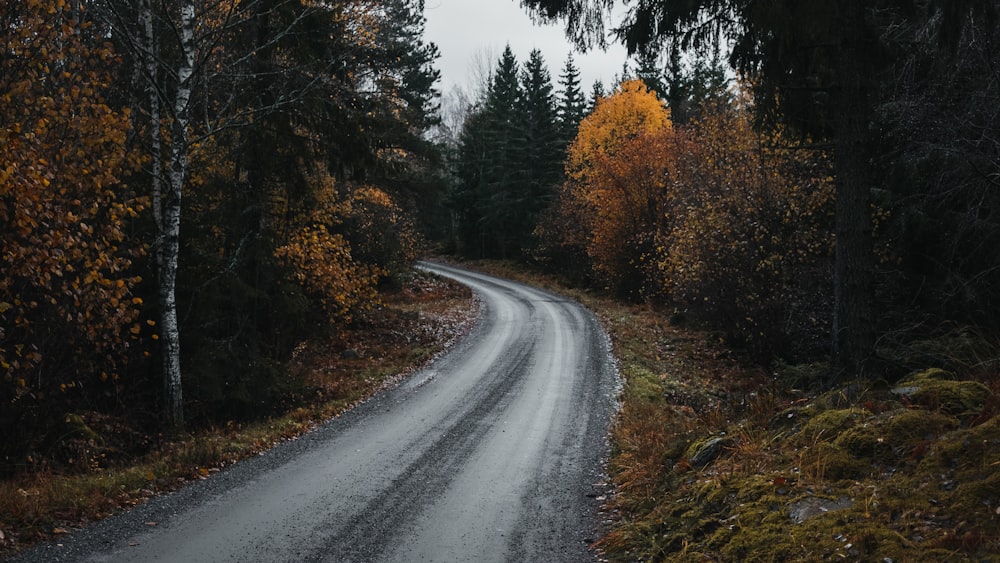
pixel 67 313
pixel 750 230
pixel 320 261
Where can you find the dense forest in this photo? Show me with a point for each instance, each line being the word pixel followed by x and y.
pixel 833 198
pixel 189 189
pixel 196 187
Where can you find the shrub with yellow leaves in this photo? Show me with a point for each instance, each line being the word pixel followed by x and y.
pixel 66 303
pixel 747 240
pixel 320 260
pixel 321 264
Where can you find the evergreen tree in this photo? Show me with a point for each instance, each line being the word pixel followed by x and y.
pixel 408 78
pixel 542 140
pixel 572 102
pixel 596 93
pixel 506 151
pixel 470 190
pixel 688 88
pixel 649 70
pixel 509 160
pixel 491 152
pixel 676 83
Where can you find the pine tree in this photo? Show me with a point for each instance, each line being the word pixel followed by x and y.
pixel 572 102
pixel 649 70
pixel 596 93
pixel 544 152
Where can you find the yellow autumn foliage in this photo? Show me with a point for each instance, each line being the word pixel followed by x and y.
pixel 716 217
pixel 321 262
pixel 322 265
pixel 615 183
pixel 630 111
pixel 65 286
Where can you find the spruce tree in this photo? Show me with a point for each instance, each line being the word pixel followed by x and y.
pixel 542 152
pixel 596 93
pixel 489 166
pixel 503 171
pixel 572 102
pixel 649 70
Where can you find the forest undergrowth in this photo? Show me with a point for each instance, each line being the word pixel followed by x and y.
pixel 418 320
pixel 716 458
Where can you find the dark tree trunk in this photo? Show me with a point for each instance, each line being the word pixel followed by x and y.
pixel 853 328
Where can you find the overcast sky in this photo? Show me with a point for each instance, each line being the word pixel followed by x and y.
pixel 467 30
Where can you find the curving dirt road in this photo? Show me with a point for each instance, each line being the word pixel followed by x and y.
pixel 491 453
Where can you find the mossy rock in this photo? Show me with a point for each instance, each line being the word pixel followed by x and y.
pixel 866 442
pixel 909 427
pixel 931 374
pixel 891 437
pixel 829 424
pixel 832 462
pixel 980 492
pixel 937 389
pixel 976 447
pixel 835 463
pixel 705 451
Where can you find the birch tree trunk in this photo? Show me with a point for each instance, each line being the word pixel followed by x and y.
pixel 166 196
pixel 149 51
pixel 171 225
pixel 162 36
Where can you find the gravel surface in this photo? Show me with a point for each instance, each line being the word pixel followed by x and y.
pixel 493 452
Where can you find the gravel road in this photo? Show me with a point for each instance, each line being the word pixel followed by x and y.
pixel 493 452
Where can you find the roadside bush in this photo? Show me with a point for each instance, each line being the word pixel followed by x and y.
pixel 382 235
pixel 749 232
pixel 717 219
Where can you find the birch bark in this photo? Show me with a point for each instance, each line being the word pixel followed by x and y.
pixel 170 222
